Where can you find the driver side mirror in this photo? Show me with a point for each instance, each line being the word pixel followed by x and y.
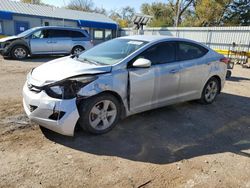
pixel 142 63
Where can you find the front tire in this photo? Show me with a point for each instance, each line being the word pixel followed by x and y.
pixel 19 52
pixel 210 91
pixel 99 114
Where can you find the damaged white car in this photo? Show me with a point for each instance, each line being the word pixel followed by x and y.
pixel 119 78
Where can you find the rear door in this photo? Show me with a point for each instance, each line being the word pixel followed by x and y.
pixel 194 69
pixel 61 40
pixel 40 43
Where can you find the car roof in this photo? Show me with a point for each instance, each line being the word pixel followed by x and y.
pixel 155 38
pixel 148 38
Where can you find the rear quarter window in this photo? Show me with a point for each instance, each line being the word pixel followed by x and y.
pixel 77 34
pixel 188 51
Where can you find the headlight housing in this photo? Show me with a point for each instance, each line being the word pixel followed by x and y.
pixel 57 89
pixel 68 89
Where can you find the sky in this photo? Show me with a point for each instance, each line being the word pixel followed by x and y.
pixel 107 4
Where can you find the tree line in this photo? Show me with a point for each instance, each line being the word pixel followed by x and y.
pixel 186 13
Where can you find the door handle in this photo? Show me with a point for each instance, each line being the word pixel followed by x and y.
pixel 173 71
pixel 49 41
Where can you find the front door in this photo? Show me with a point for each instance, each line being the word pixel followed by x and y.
pixel 21 26
pixel 158 85
pixel 142 88
pixel 41 43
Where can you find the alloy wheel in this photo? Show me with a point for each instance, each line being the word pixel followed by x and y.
pixel 77 50
pixel 102 115
pixel 211 91
pixel 20 53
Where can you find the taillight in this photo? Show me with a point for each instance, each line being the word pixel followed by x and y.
pixel 225 60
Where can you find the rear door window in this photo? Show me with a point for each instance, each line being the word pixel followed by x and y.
pixel 188 51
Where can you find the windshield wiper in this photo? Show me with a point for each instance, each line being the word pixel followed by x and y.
pixel 90 61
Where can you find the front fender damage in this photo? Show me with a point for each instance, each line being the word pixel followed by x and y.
pixel 115 83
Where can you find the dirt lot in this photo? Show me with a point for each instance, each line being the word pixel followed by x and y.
pixel 184 145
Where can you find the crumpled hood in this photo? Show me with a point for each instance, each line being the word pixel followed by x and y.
pixel 8 38
pixel 63 68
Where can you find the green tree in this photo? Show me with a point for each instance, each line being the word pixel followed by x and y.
pixel 82 5
pixel 179 8
pixel 127 13
pixel 239 13
pixel 100 11
pixel 123 16
pixel 85 5
pixel 167 14
pixel 163 15
pixel 211 12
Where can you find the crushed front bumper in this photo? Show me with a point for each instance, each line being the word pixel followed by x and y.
pixel 41 108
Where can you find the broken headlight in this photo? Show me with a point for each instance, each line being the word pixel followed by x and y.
pixel 57 89
pixel 68 89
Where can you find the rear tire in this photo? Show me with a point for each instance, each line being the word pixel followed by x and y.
pixel 99 114
pixel 210 91
pixel 19 52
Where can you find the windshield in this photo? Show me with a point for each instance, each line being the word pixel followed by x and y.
pixel 111 52
pixel 27 32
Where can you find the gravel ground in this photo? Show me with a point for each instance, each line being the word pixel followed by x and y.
pixel 183 145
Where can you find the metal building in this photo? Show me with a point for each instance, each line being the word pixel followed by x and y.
pixel 16 17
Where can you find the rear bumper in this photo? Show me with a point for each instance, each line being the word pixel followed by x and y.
pixel 39 107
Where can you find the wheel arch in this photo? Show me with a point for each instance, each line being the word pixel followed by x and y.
pixel 22 45
pixel 116 95
pixel 20 42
